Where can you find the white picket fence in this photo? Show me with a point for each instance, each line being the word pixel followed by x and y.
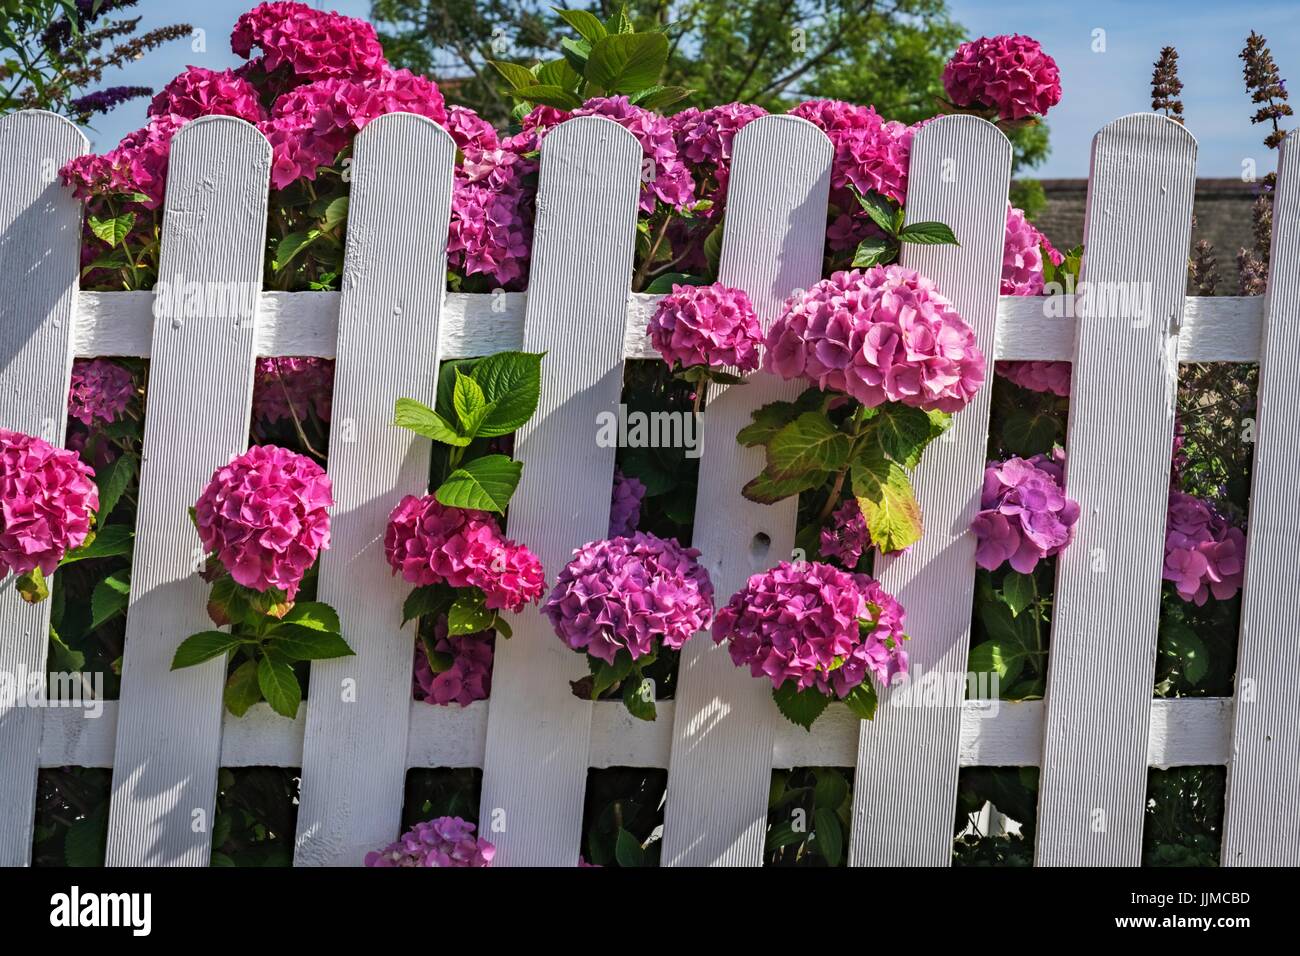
pixel 1094 736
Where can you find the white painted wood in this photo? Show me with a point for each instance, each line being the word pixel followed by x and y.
pixel 394 275
pixel 40 235
pixel 1262 803
pixel 1190 732
pixel 1101 668
pixel 196 418
pixel 720 771
pixel 905 786
pixel 538 736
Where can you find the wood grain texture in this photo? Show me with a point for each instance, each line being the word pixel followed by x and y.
pixel 1261 814
pixel 905 787
pixel 1106 613
pixel 394 275
pixel 196 418
pixel 40 232
pixel 720 771
pixel 535 765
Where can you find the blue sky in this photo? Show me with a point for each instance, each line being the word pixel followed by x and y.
pixel 1099 86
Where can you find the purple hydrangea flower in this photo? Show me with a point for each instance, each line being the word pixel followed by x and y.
pixel 1025 515
pixel 443 841
pixel 625 505
pixel 1204 553
pixel 845 536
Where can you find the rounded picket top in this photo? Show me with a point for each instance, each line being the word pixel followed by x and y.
pixel 404 130
pixel 780 132
pixel 1158 133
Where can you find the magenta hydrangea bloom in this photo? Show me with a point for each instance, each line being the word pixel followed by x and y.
pixel 100 391
pixel 265 516
pixel 1053 377
pixel 710 325
pixel 1024 513
pixel 467 679
pixel 671 181
pixel 705 139
pixel 283 386
pixel 428 542
pixel 138 164
pixel 884 335
pixel 1010 74
pixel 492 225
pixel 469 130
pixel 203 92
pixel 844 537
pixel 1204 554
pixel 625 505
pixel 313 44
pixel 47 498
pixel 801 623
pixel 1022 255
pixel 443 841
pixel 630 593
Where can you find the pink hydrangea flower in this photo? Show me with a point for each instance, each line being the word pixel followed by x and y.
pixel 625 505
pixel 469 678
pixel 138 164
pixel 283 386
pixel 1010 74
pixel 100 391
pixel 444 841
pixel 800 622
pixel 1022 255
pixel 265 516
pixel 845 536
pixel 631 593
pixel 203 92
pixel 884 335
pixel 428 542
pixel 46 500
pixel 1024 514
pixel 1052 377
pixel 491 224
pixel 1204 554
pixel 469 130
pixel 705 139
pixel 671 181
pixel 710 325
pixel 313 44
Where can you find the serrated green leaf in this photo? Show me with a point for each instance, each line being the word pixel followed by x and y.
pixel 663 284
pixel 828 836
pixel 1027 433
pixel 637 698
pixel 547 95
pixel 874 252
pixel 203 646
pixel 713 247
pixel 657 97
pixel 471 407
pixel 519 77
pixel 605 676
pixel 485 484
pixel 112 481
pixel 423 420
pixel 297 643
pixel 831 788
pixel 800 707
pixel 111 541
pixel 242 691
pixel 467 615
pixel 558 72
pixel 887 501
pixel 291 246
pixel 432 599
pixel 627 62
pixel 111 231
pixel 314 616
pixel 862 700
pixel 810 443
pixel 928 234
pixel 336 213
pixel 995 657
pixel 902 432
pixel 586 23
pixel 512 384
pixel 628 850
pixel 1018 591
pixel 32 586
pixel 109 598
pixel 882 210
pixel 767 490
pixel 279 686
pixel 576 52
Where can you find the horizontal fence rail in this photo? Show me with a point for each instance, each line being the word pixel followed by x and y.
pixel 721 737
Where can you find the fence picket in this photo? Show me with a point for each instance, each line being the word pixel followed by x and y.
pixel 200 392
pixel 905 785
pixel 1101 666
pixel 40 235
pixel 1263 794
pixel 538 735
pixel 354 754
pixel 720 766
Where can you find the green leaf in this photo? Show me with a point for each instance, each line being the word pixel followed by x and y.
pixel 336 213
pixel 862 700
pixel 902 432
pixel 618 22
pixel 112 481
pixel 502 627
pixel 432 600
pixel 548 95
pixel 279 686
pixel 468 615
pixel 519 77
pixel 829 836
pixel 637 699
pixel 767 490
pixel 1027 433
pixel 32 586
pixel 1018 591
pixel 423 420
pixel 994 657
pixel 800 707
pixel 576 52
pixel 886 500
pixel 203 646
pixel 882 210
pixel 782 835
pixel 558 72
pixel 663 284
pixel 111 231
pixel 928 234
pixel 874 252
pixel 109 598
pixel 627 62
pixel 108 542
pixel 485 483
pixel 713 247
pixel 242 690
pixel 810 443
pixel 831 789
pixel 314 616
pixel 297 643
pixel 471 407
pixel 657 97
pixel 290 246
pixel 512 384
pixel 628 850
pixel 605 676
pixel 588 27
